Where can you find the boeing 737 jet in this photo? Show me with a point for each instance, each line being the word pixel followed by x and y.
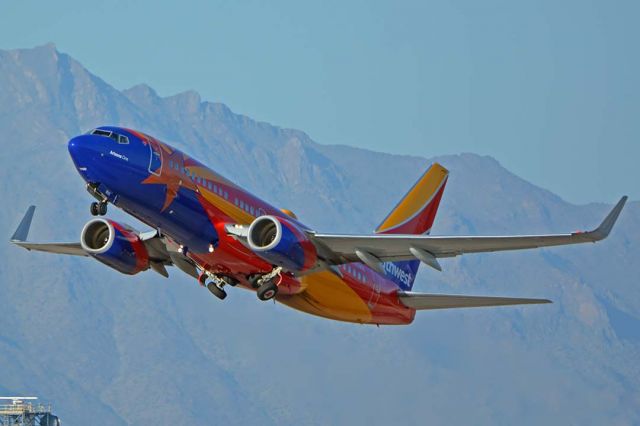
pixel 223 236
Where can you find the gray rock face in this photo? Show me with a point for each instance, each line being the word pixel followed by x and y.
pixel 143 349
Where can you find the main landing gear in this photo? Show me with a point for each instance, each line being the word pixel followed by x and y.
pixel 215 284
pixel 267 284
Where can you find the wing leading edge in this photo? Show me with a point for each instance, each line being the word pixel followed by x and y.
pixel 383 248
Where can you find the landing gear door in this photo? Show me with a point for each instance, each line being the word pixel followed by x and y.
pixel 155 160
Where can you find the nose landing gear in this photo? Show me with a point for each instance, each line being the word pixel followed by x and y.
pixel 98 208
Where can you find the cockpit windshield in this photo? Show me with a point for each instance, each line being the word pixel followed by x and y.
pixel 121 139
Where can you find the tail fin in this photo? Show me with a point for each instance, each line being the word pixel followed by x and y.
pixel 414 214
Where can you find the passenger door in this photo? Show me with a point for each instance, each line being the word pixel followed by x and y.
pixel 155 160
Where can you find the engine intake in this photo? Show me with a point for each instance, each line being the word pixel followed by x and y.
pixel 282 242
pixel 115 245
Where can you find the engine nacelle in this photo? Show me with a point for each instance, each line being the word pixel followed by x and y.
pixel 281 242
pixel 115 245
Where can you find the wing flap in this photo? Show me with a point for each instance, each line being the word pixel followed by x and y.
pixel 423 301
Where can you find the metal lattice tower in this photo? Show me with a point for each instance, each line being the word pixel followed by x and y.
pixel 25 411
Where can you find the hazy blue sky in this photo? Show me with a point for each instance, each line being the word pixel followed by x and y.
pixel 549 88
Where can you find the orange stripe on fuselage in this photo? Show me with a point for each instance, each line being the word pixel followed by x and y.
pixel 323 293
pixel 328 296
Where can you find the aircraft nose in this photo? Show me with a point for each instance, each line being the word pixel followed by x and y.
pixel 83 151
pixel 78 148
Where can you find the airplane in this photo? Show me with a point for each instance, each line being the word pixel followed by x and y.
pixel 223 236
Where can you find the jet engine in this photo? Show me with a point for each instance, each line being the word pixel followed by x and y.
pixel 115 245
pixel 282 242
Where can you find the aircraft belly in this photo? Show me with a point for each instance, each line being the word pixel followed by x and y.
pixel 323 293
pixel 329 296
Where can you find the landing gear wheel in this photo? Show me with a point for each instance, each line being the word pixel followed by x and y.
pixel 98 209
pixel 267 291
pixel 94 209
pixel 217 291
pixel 202 279
pixel 253 280
pixel 230 281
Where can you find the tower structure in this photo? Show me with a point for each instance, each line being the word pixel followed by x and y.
pixel 25 411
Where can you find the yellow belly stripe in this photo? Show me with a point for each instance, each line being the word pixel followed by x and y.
pixel 328 296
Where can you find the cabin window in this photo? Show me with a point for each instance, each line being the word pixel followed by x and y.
pixel 123 140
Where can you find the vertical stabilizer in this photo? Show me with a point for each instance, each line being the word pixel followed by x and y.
pixel 414 214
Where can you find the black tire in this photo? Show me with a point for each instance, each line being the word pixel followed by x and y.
pixel 102 209
pixel 230 281
pixel 253 280
pixel 202 279
pixel 217 292
pixel 267 291
pixel 94 209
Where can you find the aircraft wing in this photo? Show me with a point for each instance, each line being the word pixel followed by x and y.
pixel 445 301
pixel 373 249
pixel 20 236
pixel 161 252
pixel 61 248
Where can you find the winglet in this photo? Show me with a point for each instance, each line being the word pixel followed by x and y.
pixel 23 229
pixel 602 231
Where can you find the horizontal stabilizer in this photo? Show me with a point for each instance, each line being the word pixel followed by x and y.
pixel 445 301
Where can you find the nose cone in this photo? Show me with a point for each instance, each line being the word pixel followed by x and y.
pixel 80 148
pixel 83 153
